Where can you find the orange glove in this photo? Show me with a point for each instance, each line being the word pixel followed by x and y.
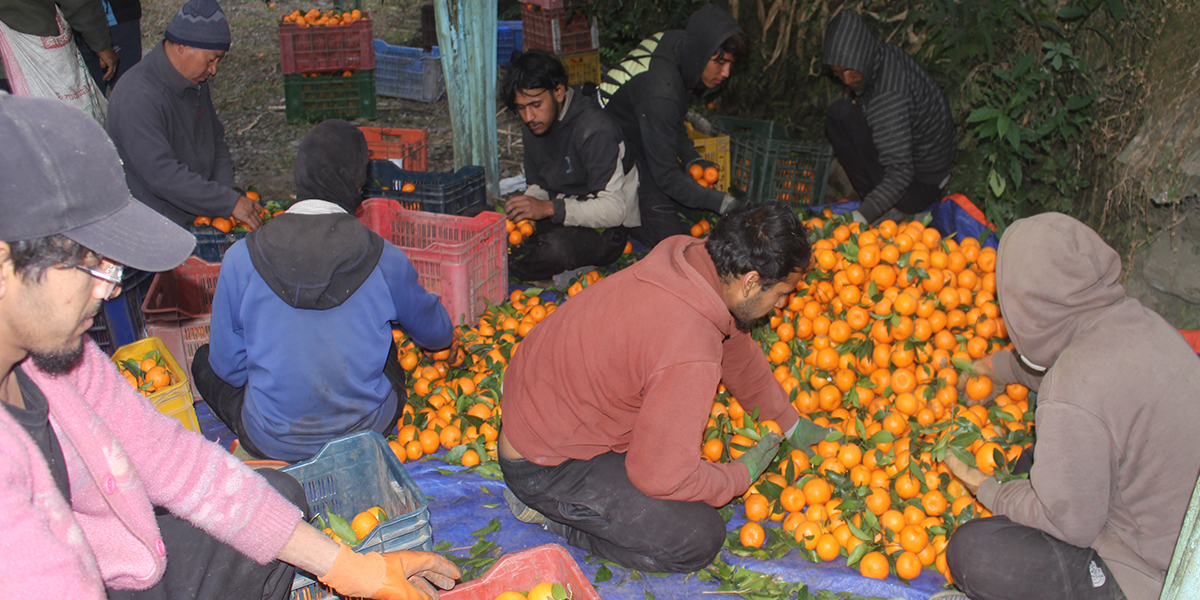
pixel 403 575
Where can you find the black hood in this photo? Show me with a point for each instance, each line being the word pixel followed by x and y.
pixel 331 164
pixel 707 29
pixel 850 44
pixel 314 262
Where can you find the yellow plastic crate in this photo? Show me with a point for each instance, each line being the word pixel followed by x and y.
pixel 713 148
pixel 174 400
pixel 582 67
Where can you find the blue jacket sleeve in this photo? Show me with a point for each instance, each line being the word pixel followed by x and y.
pixel 226 332
pixel 419 313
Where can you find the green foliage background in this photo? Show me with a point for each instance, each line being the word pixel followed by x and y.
pixel 1030 83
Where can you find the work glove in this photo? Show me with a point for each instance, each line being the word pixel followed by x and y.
pixel 758 458
pixel 805 433
pixel 403 575
pixel 728 203
pixel 859 218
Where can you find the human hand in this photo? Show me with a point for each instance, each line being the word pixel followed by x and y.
pixel 403 575
pixel 247 211
pixel 979 367
pixel 522 207
pixel 108 59
pixel 971 477
pixel 758 458
pixel 452 354
pixel 805 433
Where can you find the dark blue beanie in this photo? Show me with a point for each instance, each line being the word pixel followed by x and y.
pixel 200 24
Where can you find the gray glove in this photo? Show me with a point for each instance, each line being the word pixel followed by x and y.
pixel 805 433
pixel 859 218
pixel 728 204
pixel 758 458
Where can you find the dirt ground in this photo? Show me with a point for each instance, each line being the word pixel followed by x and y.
pixel 248 91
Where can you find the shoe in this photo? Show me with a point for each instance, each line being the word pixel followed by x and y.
pixel 523 513
pixel 949 595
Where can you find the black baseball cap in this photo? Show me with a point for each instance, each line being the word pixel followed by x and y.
pixel 61 174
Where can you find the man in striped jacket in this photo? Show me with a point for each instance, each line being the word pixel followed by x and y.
pixel 895 139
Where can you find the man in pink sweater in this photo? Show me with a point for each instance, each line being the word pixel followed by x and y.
pixel 105 497
pixel 606 401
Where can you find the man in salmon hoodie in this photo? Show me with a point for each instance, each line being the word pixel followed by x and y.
pixel 106 497
pixel 606 401
pixel 1118 400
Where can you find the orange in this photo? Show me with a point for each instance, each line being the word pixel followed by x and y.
pixel 878 501
pixel 779 353
pixel 979 387
pixel 792 499
pixel 158 377
pixel 757 507
pixel 752 535
pixel 874 565
pixel 470 458
pixel 809 533
pixel 828 547
pixel 711 174
pixel 985 457
pixel 712 450
pixel 817 491
pixel 696 171
pixel 222 224
pixel 449 436
pixel 510 595
pixel 908 566
pixel 516 238
pixel 363 523
pixel 913 538
pixel 429 441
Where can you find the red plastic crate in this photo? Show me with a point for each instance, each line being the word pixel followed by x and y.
pixel 409 146
pixel 520 571
pixel 548 29
pixel 462 260
pixel 185 292
pixel 326 49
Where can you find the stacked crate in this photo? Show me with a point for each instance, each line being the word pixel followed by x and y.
pixel 568 33
pixel 328 70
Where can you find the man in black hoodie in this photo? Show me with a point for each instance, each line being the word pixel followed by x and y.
pixel 300 345
pixel 647 94
pixel 896 138
pixel 581 177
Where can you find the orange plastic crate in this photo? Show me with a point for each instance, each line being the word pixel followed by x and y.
pixel 520 571
pixel 409 146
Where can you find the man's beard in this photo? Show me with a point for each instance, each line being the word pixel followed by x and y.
pixel 743 325
pixel 59 361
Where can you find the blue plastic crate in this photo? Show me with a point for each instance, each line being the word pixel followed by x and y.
pixel 509 38
pixel 445 193
pixel 351 474
pixel 409 73
pixel 211 243
pixel 120 320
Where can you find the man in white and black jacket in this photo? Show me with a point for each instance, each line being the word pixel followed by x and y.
pixel 583 184
pixel 895 139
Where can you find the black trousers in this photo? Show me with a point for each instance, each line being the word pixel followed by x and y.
pixel 200 567
pixel 226 401
pixel 850 135
pixel 595 507
pixel 997 559
pixel 126 40
pixel 554 248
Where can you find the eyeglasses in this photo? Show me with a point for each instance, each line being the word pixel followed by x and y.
pixel 110 274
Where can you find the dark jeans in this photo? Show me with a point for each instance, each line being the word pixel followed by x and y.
pixel 554 248
pixel 996 559
pixel 226 401
pixel 595 507
pixel 200 567
pixel 660 216
pixel 850 135
pixel 126 40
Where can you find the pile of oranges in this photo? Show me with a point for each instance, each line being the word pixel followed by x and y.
pixel 546 590
pixel 518 231
pixel 148 375
pixel 353 532
pixel 872 344
pixel 329 18
pixel 705 176
pixel 228 224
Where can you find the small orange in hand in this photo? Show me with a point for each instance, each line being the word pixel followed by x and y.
pixel 696 171
pixel 711 174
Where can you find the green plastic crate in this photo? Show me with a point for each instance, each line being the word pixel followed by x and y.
pixel 330 96
pixel 766 165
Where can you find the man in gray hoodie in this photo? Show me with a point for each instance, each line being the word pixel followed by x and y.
pixel 896 138
pixel 162 120
pixel 1117 407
